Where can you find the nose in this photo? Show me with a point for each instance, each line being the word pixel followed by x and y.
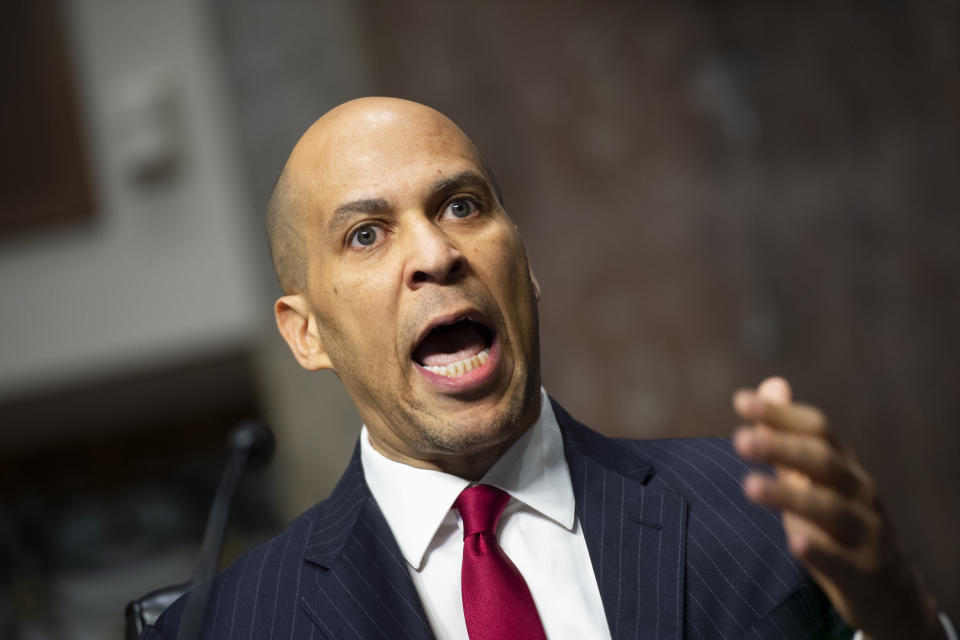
pixel 432 256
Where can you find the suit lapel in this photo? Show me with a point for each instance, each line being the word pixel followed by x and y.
pixel 635 534
pixel 360 586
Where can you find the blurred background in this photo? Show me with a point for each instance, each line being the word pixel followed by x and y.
pixel 710 192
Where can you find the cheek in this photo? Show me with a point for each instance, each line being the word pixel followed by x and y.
pixel 504 268
pixel 355 315
pixel 498 248
pixel 510 262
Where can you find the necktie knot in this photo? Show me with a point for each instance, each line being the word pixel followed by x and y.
pixel 480 507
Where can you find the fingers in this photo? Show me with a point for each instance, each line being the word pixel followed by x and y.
pixel 821 552
pixel 871 585
pixel 851 569
pixel 801 418
pixel 832 518
pixel 816 458
pixel 844 519
pixel 825 556
pixel 775 390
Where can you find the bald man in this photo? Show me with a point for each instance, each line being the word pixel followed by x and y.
pixel 402 273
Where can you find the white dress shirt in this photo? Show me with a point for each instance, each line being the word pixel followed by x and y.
pixel 538 530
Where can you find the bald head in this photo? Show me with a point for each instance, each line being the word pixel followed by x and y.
pixel 385 225
pixel 339 136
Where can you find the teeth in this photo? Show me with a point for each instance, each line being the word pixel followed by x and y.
pixel 459 368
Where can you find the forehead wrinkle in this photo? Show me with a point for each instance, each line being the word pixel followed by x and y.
pixel 346 145
pixel 369 206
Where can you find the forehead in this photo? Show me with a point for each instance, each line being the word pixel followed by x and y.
pixel 390 156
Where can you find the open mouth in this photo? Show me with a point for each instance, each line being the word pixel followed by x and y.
pixel 455 348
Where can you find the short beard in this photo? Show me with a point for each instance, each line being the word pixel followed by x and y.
pixel 439 435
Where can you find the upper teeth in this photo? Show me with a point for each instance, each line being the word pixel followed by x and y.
pixel 455 369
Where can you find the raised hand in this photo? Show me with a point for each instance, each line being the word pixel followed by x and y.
pixel 835 523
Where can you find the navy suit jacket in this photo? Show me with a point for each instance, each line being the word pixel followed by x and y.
pixel 677 553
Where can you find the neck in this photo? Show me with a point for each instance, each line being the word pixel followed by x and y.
pixel 466 445
pixel 468 460
pixel 473 466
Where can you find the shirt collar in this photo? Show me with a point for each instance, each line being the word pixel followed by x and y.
pixel 415 501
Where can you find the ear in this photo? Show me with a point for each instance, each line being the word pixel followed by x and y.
pixel 533 279
pixel 298 326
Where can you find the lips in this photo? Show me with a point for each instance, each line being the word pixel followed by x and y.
pixel 456 349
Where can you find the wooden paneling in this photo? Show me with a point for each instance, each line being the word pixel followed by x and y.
pixel 714 192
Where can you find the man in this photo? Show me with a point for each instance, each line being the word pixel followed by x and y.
pixel 403 274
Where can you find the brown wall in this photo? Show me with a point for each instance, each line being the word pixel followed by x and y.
pixel 713 192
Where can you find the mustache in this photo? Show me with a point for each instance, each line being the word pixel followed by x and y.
pixel 442 301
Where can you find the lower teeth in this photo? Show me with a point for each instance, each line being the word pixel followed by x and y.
pixel 456 369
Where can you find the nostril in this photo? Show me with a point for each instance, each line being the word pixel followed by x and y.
pixel 433 259
pixel 457 269
pixel 447 273
pixel 419 277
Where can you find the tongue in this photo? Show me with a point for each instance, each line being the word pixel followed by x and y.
pixel 449 344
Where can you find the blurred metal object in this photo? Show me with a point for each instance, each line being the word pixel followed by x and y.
pixel 251 447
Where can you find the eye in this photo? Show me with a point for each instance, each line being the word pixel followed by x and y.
pixel 365 236
pixel 460 208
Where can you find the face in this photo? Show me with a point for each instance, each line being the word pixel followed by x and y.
pixel 418 294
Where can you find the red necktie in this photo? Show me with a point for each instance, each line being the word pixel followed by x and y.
pixel 496 601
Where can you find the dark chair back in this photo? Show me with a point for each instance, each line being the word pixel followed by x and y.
pixel 147 609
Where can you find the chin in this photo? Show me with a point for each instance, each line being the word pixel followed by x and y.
pixel 476 429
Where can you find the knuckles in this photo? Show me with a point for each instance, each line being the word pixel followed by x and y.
pixel 818 421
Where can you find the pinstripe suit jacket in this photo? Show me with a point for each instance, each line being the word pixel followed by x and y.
pixel 676 550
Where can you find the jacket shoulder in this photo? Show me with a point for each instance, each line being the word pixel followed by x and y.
pixel 740 574
pixel 739 579
pixel 250 593
pixel 259 593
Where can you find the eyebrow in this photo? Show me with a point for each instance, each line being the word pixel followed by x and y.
pixel 366 206
pixel 464 179
pixel 345 212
